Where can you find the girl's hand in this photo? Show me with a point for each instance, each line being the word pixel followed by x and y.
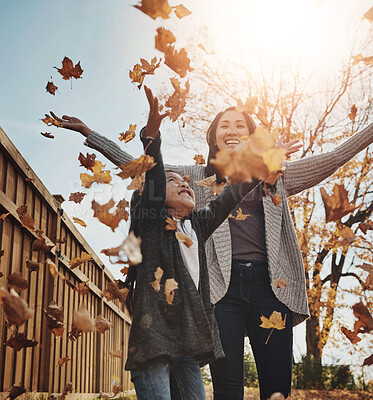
pixel 72 123
pixel 155 118
pixel 290 147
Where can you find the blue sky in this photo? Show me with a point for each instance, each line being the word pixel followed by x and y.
pixel 108 37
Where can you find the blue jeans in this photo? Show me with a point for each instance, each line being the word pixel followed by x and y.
pixel 250 296
pixel 152 381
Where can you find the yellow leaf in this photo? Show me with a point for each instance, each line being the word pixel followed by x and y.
pixel 75 262
pixel 128 135
pixel 169 289
pixel 181 11
pixel 183 238
pixel 274 321
pixel 136 167
pixel 99 176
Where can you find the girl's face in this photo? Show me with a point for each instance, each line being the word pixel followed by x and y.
pixel 231 126
pixel 180 200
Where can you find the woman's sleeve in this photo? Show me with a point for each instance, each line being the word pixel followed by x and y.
pixel 218 209
pixel 310 171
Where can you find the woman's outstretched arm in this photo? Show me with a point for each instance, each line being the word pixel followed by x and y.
pixel 310 171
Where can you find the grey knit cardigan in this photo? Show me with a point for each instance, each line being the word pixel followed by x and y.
pixel 284 257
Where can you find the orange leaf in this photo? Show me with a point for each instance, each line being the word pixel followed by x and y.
pixel 178 61
pixel 19 341
pixel 3 216
pixel 365 226
pixel 136 167
pixel 140 71
pixel 75 262
pixel 177 101
pixel 99 176
pixel 171 224
pixel 77 197
pixel 198 158
pixel 181 11
pixel 88 161
pixel 240 216
pixel 54 316
pixel 155 8
pixel 137 183
pixel 169 289
pixel 26 220
pixel 68 69
pixel 368 360
pixel 53 269
pixel 183 238
pixel 164 37
pixel 279 283
pixel 353 113
pixel 63 361
pixel 112 220
pixel 156 284
pixel 83 287
pixel 51 88
pixel 368 268
pixel 50 121
pixel 32 265
pixel 360 58
pixel 210 183
pixel 351 335
pixel 369 15
pixel 80 222
pixel 116 353
pixel 128 135
pixel 364 321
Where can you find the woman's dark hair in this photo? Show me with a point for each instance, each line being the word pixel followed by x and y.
pixel 211 141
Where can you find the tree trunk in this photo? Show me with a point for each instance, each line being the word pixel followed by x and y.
pixel 313 369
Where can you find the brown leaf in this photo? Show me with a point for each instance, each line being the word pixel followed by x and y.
pixel 113 292
pixel 171 224
pixel 63 361
pixel 19 341
pixel 359 58
pixel 124 271
pixel 353 112
pixel 364 321
pixel 368 360
pixel 68 69
pixel 248 107
pixel 351 335
pixel 32 265
pixel 54 316
pixel 198 158
pixel 210 183
pixel 40 244
pixel 273 177
pixel 279 283
pixel 128 135
pixel 99 175
pixel 163 39
pixel 77 197
pixel 181 11
pixel 75 262
pixel 348 236
pixel 155 8
pixel 87 162
pixel 25 219
pixel 51 88
pixel 53 269
pixel 116 353
pixel 79 222
pixel 136 167
pixel 102 324
pixel 50 121
pixel 112 220
pixel 336 205
pixel 137 183
pixel 66 389
pixel 156 284
pixel 140 71
pixel 183 238
pixel 83 287
pixel 82 320
pixel 47 135
pixel 178 61
pixel 3 216
pixel 369 15
pixel 15 308
pixel 368 268
pixel 17 282
pixel 16 391
pixel 366 226
pixel 169 289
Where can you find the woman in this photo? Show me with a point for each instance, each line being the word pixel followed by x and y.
pixel 242 265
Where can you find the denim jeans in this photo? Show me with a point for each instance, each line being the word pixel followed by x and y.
pixel 152 381
pixel 250 296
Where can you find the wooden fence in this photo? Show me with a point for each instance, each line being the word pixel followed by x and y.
pixel 92 367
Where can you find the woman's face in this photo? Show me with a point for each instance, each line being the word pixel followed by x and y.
pixel 179 196
pixel 231 126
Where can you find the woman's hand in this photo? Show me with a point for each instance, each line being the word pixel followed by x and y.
pixel 289 147
pixel 72 123
pixel 155 118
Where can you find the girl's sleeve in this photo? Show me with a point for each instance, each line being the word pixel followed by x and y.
pixel 218 210
pixel 310 171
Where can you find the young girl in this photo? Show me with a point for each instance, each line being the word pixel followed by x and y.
pixel 173 328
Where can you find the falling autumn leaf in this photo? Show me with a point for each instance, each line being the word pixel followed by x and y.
pixel 54 316
pixel 262 116
pixel 75 262
pixel 368 360
pixel 68 388
pixel 210 183
pixel 170 286
pixel 337 204
pixel 273 177
pixel 68 69
pixel 63 361
pixel 198 158
pixel 116 389
pixel 351 335
pixel 136 167
pixel 116 353
pixel 50 121
pixel 53 269
pixel 19 341
pixel 112 220
pixel 353 113
pixel 177 101
pixel 77 197
pixel 171 224
pixel 128 135
pixel 369 15
pixel 178 61
pixel 348 236
pixel 80 222
pixel 132 248
pixel 275 321
pixel 26 220
pixel 16 391
pixel 156 284
pixel 99 175
pixel 113 292
pixel 82 320
pixel 183 238
pixel 17 282
pixel 248 107
pixel 360 58
pixel 32 265
pixel 124 271
pixel 3 216
pixel 366 226
pixel 40 243
pixel 140 71
pixel 364 321
pixel 47 135
pixel 102 324
pixel 137 183
pixel 240 216
pixel 279 283
pixel 181 11
pixel 87 161
pixel 51 88
pixel 155 8
pixel 15 308
pixel 368 268
pixel 163 39
pixel 83 288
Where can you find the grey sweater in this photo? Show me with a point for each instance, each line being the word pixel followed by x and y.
pixel 284 256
